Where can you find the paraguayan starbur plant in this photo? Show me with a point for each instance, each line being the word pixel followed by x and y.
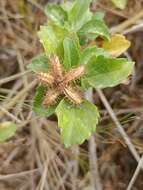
pixel 79 53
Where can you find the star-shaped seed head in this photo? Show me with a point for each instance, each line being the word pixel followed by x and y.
pixel 61 82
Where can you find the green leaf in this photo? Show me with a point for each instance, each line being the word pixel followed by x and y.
pixel 71 51
pixel 102 72
pixel 98 16
pixel 39 64
pixel 38 108
pixel 51 37
pixel 7 130
pixel 56 13
pixel 95 28
pixel 67 6
pixel 79 14
pixel 121 4
pixel 92 51
pixel 84 38
pixel 87 54
pixel 77 123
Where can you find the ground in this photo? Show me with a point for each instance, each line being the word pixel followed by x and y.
pixel 35 159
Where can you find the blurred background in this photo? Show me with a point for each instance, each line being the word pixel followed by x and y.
pixel 35 159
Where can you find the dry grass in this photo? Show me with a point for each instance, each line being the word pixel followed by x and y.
pixel 35 159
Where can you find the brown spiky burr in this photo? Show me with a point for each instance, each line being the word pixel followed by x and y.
pixel 60 82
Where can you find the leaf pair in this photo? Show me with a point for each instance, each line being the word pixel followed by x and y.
pixel 72 16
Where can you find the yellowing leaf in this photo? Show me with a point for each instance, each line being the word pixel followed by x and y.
pixel 121 4
pixel 117 45
pixel 7 130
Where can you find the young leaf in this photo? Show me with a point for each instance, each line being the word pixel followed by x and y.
pixel 95 28
pixel 79 14
pixel 7 130
pixel 71 52
pixel 51 37
pixel 121 4
pixel 77 123
pixel 102 72
pixel 39 64
pixel 67 6
pixel 38 108
pixel 117 45
pixel 92 51
pixel 56 13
